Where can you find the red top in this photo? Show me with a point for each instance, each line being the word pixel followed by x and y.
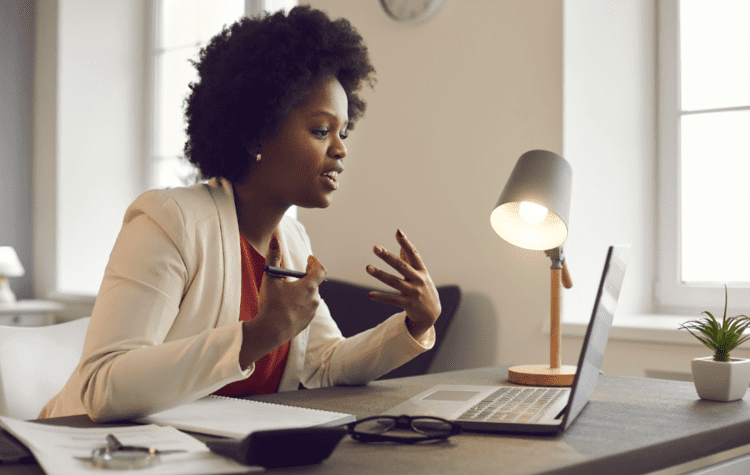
pixel 268 370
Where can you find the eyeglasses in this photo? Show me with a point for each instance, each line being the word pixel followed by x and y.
pixel 418 429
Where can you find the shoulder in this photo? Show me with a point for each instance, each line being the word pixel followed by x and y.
pixel 186 203
pixel 175 210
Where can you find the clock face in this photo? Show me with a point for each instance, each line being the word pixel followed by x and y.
pixel 411 11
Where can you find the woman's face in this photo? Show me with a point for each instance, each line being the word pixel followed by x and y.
pixel 301 164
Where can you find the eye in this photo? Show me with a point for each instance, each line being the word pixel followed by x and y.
pixel 343 136
pixel 320 133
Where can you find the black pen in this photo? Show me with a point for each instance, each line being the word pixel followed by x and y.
pixel 279 272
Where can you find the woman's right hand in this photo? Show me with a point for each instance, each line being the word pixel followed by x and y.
pixel 285 308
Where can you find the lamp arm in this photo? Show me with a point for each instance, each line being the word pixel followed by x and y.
pixel 558 262
pixel 567 282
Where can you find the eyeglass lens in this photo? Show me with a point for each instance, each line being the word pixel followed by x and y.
pixel 421 425
pixel 432 427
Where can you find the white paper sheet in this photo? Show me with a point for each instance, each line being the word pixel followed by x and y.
pixel 55 448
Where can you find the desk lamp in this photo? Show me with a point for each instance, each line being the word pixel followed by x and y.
pixel 10 266
pixel 532 213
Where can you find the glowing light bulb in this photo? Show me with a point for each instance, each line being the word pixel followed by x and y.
pixel 532 213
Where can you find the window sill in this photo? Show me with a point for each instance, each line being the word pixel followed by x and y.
pixel 641 328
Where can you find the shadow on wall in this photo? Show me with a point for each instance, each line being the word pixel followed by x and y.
pixel 472 336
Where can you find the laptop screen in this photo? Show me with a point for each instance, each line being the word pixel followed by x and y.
pixel 598 330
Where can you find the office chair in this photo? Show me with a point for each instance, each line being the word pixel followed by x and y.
pixel 35 364
pixel 354 312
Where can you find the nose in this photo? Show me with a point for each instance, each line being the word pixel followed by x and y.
pixel 337 149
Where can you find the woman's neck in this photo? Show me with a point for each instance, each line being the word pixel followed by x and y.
pixel 257 216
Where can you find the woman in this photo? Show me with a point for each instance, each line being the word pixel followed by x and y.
pixel 184 309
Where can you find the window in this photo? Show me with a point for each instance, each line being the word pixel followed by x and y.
pixel 182 28
pixel 704 152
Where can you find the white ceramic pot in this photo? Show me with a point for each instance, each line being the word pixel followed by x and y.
pixel 721 380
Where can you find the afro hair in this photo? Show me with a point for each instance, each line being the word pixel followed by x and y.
pixel 255 71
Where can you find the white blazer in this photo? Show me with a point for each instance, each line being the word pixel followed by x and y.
pixel 165 328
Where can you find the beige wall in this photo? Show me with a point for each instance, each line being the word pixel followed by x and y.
pixel 458 100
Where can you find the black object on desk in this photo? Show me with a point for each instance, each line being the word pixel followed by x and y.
pixel 12 451
pixel 281 448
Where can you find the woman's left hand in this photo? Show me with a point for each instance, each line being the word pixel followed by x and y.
pixel 417 293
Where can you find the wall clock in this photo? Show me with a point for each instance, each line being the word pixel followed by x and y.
pixel 411 11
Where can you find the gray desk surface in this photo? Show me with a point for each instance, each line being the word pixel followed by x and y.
pixel 631 425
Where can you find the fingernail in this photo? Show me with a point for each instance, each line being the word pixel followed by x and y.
pixel 370 269
pixel 274 243
pixel 378 249
pixel 399 233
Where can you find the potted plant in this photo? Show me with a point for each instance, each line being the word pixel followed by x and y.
pixel 720 377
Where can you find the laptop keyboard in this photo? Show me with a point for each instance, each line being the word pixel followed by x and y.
pixel 514 404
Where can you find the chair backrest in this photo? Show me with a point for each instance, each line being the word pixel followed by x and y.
pixel 35 364
pixel 354 312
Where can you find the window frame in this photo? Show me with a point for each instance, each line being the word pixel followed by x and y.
pixel 672 294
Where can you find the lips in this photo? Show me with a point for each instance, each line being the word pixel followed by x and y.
pixel 330 178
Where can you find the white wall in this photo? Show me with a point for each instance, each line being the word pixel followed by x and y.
pixel 89 136
pixel 100 131
pixel 609 139
pixel 458 100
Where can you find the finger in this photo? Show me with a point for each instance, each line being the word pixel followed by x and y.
pixel 397 263
pixel 386 278
pixel 273 258
pixel 273 255
pixel 408 251
pixel 316 273
pixel 391 299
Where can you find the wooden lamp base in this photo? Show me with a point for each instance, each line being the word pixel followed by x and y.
pixel 542 375
pixel 553 374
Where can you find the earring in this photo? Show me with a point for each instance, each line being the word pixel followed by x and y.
pixel 252 150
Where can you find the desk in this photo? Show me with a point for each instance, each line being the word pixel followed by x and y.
pixel 631 425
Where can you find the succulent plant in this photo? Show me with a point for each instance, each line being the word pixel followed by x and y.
pixel 720 338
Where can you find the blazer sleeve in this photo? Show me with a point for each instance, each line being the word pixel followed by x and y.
pixel 132 365
pixel 331 359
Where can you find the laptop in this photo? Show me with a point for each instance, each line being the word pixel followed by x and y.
pixel 531 409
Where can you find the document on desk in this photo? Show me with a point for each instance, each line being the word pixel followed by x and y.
pixel 56 448
pixel 233 417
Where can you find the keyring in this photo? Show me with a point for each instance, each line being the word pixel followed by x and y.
pixel 124 457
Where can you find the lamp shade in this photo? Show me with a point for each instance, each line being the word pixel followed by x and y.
pixel 10 266
pixel 539 184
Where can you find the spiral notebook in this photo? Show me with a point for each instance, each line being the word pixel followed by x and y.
pixel 232 417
